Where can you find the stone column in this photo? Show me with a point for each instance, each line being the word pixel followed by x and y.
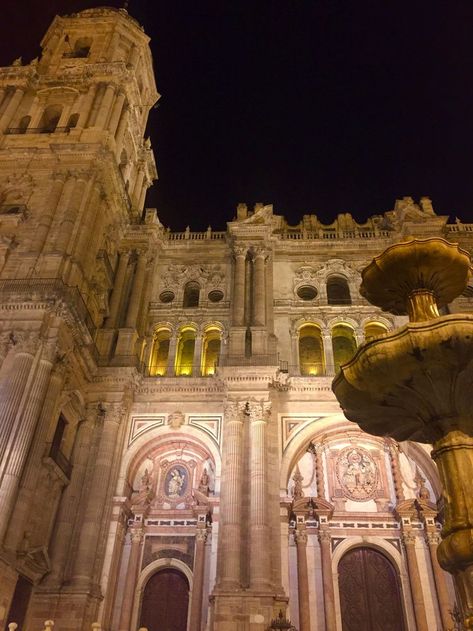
pixel 70 213
pixel 198 585
pixel 117 291
pixel 121 129
pixel 67 513
pixel 116 113
pixel 12 388
pixel 97 499
pixel 20 439
pixel 443 596
pixel 260 566
pixel 86 106
pixel 105 105
pixel 229 553
pixel 46 219
pixel 327 578
pixel 409 541
pixel 98 97
pixel 170 370
pixel 295 369
pixel 239 286
pixel 300 537
pixel 136 195
pixel 30 477
pixel 136 534
pixel 269 284
pixel 328 352
pixel 197 361
pixel 393 450
pixel 11 109
pixel 317 454
pixel 136 291
pixel 260 287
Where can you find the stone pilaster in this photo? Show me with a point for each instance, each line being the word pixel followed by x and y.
pixel 328 353
pixel 327 578
pixel 116 113
pixel 137 290
pixel 443 597
pixel 11 108
pixel 409 541
pixel 97 499
pixel 198 585
pixel 105 106
pixel 239 285
pixel 300 537
pixel 136 535
pixel 393 450
pixel 117 291
pixel 229 552
pixel 259 277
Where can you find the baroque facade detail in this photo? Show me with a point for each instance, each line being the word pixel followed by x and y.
pixel 165 397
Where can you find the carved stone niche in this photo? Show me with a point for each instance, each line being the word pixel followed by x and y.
pixel 358 474
pixel 306 284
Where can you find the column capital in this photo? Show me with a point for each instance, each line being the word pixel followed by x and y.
pixel 408 538
pixel 239 249
pixel 136 534
pixel 259 252
pixel 257 411
pixel 433 538
pixel 324 536
pixel 300 537
pixel 201 535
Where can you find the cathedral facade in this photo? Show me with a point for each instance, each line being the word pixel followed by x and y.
pixel 171 453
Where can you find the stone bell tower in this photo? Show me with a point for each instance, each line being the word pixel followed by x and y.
pixel 74 170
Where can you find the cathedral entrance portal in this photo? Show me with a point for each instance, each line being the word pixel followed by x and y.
pixel 370 595
pixel 165 602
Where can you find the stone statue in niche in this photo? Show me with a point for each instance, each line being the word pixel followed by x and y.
pixel 357 474
pixel 144 493
pixel 176 419
pixel 422 491
pixel 176 481
pixel 204 482
pixel 297 491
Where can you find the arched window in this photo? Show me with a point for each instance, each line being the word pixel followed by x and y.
pixel 338 292
pixel 23 124
pixel 81 48
pixel 311 350
pixel 50 119
pixel 185 353
pixel 343 344
pixel 191 295
pixel 160 353
pixel 374 330
pixel 211 351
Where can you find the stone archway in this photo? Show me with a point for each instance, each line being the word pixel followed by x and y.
pixel 165 602
pixel 369 588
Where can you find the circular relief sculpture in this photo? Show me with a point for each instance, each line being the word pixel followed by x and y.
pixel 307 292
pixel 166 296
pixel 176 482
pixel 357 474
pixel 216 295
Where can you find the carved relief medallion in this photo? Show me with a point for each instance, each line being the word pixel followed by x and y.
pixel 357 474
pixel 176 482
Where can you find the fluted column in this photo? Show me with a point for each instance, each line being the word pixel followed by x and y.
pixel 198 584
pixel 239 286
pixel 136 291
pixel 197 361
pixel 260 287
pixel 67 513
pixel 116 113
pixel 317 454
pixel 30 478
pixel 105 105
pixel 136 534
pixel 12 389
pixel 20 439
pixel 229 554
pixel 443 596
pixel 300 537
pixel 11 108
pixel 117 291
pixel 327 579
pixel 260 568
pixel 97 498
pixel 415 580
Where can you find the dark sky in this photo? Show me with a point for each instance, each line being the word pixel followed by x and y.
pixel 315 106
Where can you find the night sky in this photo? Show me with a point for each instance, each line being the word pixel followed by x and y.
pixel 314 106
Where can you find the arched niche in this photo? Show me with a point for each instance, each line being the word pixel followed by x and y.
pixel 311 350
pixel 338 290
pixel 343 344
pixel 211 348
pixel 160 352
pixel 184 364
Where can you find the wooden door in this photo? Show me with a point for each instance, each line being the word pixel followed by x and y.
pixel 165 602
pixel 370 594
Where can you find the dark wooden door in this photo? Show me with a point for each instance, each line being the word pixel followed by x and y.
pixel 370 595
pixel 165 602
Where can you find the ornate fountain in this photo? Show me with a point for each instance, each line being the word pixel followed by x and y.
pixel 416 382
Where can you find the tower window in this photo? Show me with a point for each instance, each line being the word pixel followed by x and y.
pixel 72 122
pixel 338 292
pixel 50 119
pixel 80 50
